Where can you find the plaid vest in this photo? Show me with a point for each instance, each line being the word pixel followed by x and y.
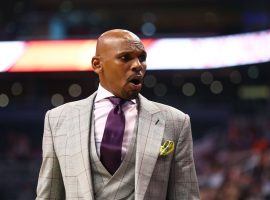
pixel 121 184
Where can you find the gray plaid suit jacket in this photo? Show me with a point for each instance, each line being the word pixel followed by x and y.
pixel 66 173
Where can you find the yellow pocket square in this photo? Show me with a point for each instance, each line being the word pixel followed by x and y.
pixel 166 148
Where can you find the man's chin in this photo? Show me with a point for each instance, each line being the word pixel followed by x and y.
pixel 130 94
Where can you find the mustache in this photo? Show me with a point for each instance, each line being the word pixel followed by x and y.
pixel 137 77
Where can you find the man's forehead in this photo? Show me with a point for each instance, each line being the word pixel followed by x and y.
pixel 135 44
pixel 127 44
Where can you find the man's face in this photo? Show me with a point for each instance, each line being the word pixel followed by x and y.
pixel 123 65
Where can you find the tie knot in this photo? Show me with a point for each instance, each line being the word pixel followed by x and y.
pixel 117 101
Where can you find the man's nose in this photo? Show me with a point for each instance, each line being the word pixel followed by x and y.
pixel 136 65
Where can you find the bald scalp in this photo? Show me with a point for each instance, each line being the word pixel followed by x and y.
pixel 107 38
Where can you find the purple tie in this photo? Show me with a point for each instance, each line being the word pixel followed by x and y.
pixel 111 144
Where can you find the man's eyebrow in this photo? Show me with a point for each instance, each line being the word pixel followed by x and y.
pixel 144 52
pixel 131 52
pixel 125 51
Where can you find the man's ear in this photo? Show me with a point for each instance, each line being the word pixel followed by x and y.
pixel 96 64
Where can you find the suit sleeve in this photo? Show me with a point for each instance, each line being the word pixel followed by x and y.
pixel 50 182
pixel 183 183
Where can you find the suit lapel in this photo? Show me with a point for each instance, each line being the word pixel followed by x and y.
pixel 151 126
pixel 84 109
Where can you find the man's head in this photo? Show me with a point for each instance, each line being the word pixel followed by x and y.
pixel 120 63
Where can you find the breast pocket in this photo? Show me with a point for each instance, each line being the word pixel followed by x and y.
pixel 162 167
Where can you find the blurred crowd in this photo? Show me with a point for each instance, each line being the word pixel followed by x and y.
pixel 232 163
pixel 20 158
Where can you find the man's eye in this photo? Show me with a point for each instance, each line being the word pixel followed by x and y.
pixel 142 58
pixel 125 58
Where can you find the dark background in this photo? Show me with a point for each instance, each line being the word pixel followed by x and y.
pixel 229 112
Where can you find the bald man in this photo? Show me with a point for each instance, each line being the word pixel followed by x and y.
pixel 116 144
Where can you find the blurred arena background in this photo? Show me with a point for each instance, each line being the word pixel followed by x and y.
pixel 228 99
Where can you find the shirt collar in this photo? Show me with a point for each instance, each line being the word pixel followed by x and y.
pixel 102 93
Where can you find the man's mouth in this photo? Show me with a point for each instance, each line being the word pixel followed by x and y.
pixel 136 80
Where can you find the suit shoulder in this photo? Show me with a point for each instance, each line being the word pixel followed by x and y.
pixel 169 109
pixel 66 108
pixel 66 112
